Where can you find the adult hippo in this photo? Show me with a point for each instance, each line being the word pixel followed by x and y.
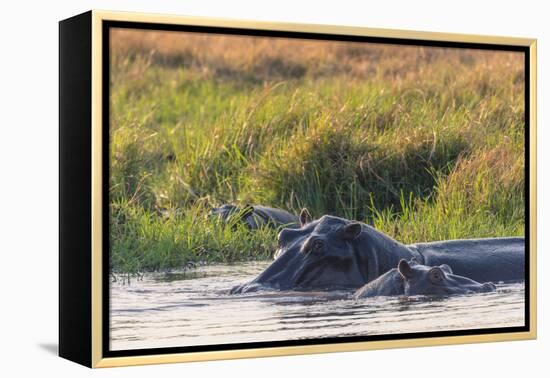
pixel 412 278
pixel 333 253
pixel 256 216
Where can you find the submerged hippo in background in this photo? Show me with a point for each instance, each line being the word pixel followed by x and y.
pixel 333 253
pixel 412 278
pixel 256 216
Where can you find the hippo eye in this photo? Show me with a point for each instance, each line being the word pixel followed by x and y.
pixel 314 246
pixel 317 245
pixel 436 275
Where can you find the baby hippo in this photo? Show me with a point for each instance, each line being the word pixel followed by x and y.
pixel 412 278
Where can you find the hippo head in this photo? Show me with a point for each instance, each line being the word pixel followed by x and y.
pixel 437 280
pixel 320 255
pixel 231 213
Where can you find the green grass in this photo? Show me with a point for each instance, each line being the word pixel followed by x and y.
pixel 428 150
pixel 142 240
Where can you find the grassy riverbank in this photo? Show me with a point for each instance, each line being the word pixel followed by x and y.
pixel 424 144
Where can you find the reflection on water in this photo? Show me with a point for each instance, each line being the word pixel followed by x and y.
pixel 177 309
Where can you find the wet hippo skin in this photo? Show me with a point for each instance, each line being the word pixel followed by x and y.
pixel 333 253
pixel 412 278
pixel 491 259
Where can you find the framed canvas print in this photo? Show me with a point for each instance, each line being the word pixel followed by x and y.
pixel 234 189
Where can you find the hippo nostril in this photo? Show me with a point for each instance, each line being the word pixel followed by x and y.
pixel 283 234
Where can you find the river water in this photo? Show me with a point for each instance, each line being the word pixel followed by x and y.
pixel 193 308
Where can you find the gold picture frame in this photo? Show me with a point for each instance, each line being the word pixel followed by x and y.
pixel 82 238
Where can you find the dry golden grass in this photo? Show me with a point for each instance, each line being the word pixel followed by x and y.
pixel 282 58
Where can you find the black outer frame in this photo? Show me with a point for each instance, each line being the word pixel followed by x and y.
pixel 75 189
pixel 75 331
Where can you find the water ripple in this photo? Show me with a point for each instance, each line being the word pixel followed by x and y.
pixel 176 309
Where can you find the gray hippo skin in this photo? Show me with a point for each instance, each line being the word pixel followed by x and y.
pixel 333 253
pixel 412 278
pixel 256 216
pixel 491 259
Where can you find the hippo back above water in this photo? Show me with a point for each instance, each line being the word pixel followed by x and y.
pixel 333 253
pixel 412 278
pixel 256 216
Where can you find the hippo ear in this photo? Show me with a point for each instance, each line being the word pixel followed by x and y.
pixel 352 230
pixel 305 217
pixel 404 269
